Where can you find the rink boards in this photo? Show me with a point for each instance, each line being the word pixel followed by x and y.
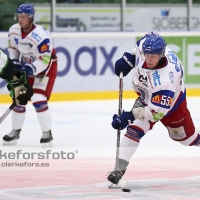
pixel 86 63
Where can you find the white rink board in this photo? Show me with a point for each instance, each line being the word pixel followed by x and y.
pixel 86 60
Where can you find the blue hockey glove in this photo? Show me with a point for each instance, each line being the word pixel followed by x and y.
pixel 125 64
pixel 28 68
pixel 17 64
pixel 123 120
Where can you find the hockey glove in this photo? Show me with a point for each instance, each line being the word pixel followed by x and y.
pixel 125 64
pixel 123 120
pixel 20 90
pixel 17 64
pixel 28 68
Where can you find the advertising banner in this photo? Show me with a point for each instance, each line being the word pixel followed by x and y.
pixel 86 60
pixel 70 18
pixel 108 18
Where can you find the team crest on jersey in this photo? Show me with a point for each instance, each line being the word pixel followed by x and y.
pixel 44 46
pixel 163 98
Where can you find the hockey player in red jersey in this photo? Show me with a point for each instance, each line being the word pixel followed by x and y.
pixel 158 80
pixel 31 50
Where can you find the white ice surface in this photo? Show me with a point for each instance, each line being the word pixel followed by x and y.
pixel 86 126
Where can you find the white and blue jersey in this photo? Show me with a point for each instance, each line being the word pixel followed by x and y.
pixel 34 48
pixel 162 88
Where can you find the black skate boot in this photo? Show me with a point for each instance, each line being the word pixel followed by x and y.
pixel 11 138
pixel 46 140
pixel 117 174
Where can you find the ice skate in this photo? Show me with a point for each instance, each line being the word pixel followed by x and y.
pixel 116 175
pixel 11 138
pixel 46 140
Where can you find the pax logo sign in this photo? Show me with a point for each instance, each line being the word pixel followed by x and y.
pixel 89 53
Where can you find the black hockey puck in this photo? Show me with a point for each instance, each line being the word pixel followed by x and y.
pixel 126 190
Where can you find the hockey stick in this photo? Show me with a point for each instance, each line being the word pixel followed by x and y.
pixel 118 131
pixel 119 113
pixel 121 184
pixel 7 112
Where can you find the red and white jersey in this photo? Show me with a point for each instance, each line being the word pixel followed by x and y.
pixel 162 88
pixel 35 47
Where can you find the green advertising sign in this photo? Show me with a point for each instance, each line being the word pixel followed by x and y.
pixel 188 51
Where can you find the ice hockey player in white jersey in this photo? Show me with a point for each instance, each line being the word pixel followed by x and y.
pixel 158 80
pixel 31 50
pixel 20 90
